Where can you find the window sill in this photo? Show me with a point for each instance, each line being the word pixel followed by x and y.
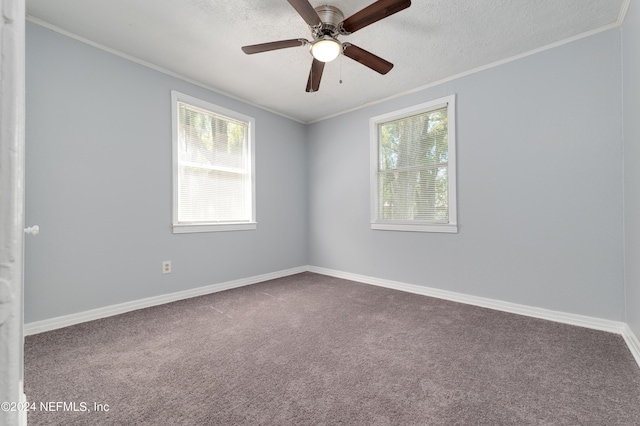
pixel 413 227
pixel 213 227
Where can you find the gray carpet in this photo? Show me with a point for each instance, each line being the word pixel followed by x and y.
pixel 315 350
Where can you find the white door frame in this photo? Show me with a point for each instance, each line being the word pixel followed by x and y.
pixel 12 116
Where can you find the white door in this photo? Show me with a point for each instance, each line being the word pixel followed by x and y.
pixel 12 46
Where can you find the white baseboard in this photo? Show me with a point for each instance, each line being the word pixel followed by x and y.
pixel 616 327
pixel 562 317
pixel 107 311
pixel 632 342
pixel 514 308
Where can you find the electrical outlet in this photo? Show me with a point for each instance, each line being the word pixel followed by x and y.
pixel 166 267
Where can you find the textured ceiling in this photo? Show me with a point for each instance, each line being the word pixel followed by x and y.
pixel 430 41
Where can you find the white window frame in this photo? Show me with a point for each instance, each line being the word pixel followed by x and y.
pixel 189 227
pixel 416 226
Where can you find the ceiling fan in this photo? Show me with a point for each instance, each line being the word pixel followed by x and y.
pixel 326 24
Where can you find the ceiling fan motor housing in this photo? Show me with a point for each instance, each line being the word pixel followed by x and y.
pixel 331 18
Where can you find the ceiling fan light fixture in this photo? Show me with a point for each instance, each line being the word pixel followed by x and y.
pixel 326 49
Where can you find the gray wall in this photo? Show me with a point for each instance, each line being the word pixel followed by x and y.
pixel 98 138
pixel 631 97
pixel 539 187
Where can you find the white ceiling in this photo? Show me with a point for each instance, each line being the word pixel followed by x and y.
pixel 430 41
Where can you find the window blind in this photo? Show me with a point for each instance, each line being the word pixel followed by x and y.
pixel 214 170
pixel 413 169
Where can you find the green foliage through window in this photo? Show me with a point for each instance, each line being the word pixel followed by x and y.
pixel 413 156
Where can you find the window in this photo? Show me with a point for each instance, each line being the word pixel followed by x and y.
pixel 213 179
pixel 413 174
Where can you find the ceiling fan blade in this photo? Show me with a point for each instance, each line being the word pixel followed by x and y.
pixel 308 13
pixel 273 45
pixel 313 83
pixel 373 13
pixel 367 59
